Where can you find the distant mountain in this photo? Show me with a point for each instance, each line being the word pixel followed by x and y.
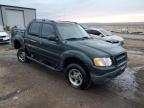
pixel 131 27
pixel 112 24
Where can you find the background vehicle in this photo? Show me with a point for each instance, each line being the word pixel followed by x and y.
pixel 106 36
pixel 16 31
pixel 4 37
pixel 66 47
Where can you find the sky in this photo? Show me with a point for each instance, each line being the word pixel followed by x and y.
pixel 100 11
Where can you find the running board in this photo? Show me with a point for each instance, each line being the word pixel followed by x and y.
pixel 50 67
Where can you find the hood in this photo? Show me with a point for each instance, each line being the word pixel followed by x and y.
pixel 3 34
pixel 95 46
pixel 113 38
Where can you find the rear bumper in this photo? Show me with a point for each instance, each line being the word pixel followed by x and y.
pixel 100 79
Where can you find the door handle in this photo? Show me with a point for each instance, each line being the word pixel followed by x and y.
pixel 33 41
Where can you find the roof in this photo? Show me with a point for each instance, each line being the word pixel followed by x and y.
pixel 17 7
pixel 47 20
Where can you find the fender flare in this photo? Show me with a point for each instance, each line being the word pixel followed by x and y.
pixel 20 39
pixel 75 54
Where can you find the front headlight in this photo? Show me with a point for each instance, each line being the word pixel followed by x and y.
pixel 6 38
pixel 102 61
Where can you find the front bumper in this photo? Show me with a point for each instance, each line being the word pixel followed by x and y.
pixel 4 41
pixel 107 75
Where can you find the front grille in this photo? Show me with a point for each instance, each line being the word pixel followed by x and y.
pixel 1 37
pixel 121 58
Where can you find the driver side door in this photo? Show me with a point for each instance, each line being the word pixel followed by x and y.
pixel 51 49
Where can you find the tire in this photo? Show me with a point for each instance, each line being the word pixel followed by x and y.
pixel 21 56
pixel 77 76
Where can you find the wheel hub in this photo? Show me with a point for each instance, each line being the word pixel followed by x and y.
pixel 22 56
pixel 75 77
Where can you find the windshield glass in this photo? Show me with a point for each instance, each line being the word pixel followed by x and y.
pixel 1 28
pixel 71 31
pixel 106 33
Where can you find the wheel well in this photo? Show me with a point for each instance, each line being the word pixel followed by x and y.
pixel 77 61
pixel 17 44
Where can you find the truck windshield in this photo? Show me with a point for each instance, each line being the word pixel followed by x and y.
pixel 72 31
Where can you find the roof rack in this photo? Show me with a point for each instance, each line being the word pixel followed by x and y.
pixel 54 21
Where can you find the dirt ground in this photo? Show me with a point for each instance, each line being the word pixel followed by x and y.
pixel 34 86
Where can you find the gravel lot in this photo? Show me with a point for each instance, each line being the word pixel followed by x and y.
pixel 34 86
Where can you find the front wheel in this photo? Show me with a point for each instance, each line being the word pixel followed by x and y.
pixel 21 55
pixel 77 76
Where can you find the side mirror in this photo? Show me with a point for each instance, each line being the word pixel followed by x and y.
pixel 101 35
pixel 52 38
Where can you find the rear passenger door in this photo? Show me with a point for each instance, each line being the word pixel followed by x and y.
pixel 33 38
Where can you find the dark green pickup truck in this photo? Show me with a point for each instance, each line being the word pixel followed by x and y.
pixel 66 47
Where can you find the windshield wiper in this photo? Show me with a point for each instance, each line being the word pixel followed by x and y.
pixel 72 38
pixel 86 37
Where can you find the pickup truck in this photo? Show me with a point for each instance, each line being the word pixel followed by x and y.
pixel 66 47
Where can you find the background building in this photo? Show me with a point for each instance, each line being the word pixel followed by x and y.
pixel 11 16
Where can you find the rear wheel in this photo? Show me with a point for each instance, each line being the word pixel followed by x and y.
pixel 77 76
pixel 21 55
